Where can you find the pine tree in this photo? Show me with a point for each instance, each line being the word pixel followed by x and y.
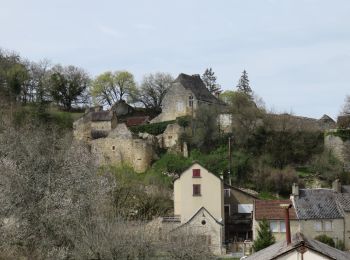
pixel 265 237
pixel 209 80
pixel 243 84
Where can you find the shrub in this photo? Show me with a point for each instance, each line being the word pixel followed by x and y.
pixel 326 240
pixel 265 237
pixel 153 129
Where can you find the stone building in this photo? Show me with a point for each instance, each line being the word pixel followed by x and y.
pixel 95 123
pixel 315 212
pixel 119 148
pixel 184 97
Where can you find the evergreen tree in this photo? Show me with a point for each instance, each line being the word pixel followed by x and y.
pixel 265 237
pixel 209 80
pixel 243 84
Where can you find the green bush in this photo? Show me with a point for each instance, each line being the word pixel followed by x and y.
pixel 153 129
pixel 326 240
pixel 344 134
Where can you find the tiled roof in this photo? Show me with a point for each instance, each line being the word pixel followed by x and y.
pixel 299 240
pixel 318 204
pixel 271 209
pixel 134 121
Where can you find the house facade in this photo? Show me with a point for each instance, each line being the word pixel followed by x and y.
pixel 324 211
pixel 198 204
pixel 186 94
pixel 238 208
pixel 272 211
pixel 314 212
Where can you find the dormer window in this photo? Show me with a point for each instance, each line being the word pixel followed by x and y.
pixel 196 173
pixel 190 101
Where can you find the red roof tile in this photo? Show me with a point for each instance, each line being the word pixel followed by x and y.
pixel 271 209
pixel 134 121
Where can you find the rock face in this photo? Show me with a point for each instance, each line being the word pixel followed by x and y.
pixel 339 147
pixel 120 148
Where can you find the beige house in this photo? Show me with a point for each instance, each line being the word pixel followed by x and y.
pixel 198 203
pixel 272 211
pixel 324 211
pixel 301 247
pixel 315 212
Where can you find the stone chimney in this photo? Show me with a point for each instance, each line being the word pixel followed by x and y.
pixel 295 189
pixel 336 186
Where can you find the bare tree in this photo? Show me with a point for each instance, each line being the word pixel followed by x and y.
pixel 153 89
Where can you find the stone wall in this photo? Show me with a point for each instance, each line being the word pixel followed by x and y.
pixel 119 148
pixel 176 104
pixel 339 148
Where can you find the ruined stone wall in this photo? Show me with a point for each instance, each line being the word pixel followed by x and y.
pixel 119 148
pixel 82 130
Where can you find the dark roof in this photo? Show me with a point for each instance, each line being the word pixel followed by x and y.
pixel 317 204
pixel 327 118
pixel 135 121
pixel 101 116
pixel 299 240
pixel 271 209
pixel 196 85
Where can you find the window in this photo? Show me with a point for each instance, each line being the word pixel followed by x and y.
pixel 113 148
pixel 170 137
pixel 283 226
pixel 245 208
pixel 318 225
pixel 278 226
pixel 196 189
pixel 196 173
pixel 227 193
pixel 274 226
pixel 227 210
pixel 190 101
pixel 327 225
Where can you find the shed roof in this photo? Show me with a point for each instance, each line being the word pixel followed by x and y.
pixel 299 240
pixel 271 209
pixel 137 120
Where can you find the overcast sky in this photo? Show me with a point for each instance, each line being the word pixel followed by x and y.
pixel 296 52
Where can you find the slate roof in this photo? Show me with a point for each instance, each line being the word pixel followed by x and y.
pixel 196 85
pixel 271 209
pixel 298 240
pixel 318 204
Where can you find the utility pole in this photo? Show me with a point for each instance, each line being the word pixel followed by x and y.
pixel 229 160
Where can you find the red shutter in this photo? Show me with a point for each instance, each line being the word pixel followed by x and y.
pixel 196 173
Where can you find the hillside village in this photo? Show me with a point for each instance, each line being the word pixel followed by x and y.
pixel 225 215
pixel 198 173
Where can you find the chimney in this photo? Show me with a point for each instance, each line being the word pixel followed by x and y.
pixel 286 208
pixel 336 186
pixel 295 189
